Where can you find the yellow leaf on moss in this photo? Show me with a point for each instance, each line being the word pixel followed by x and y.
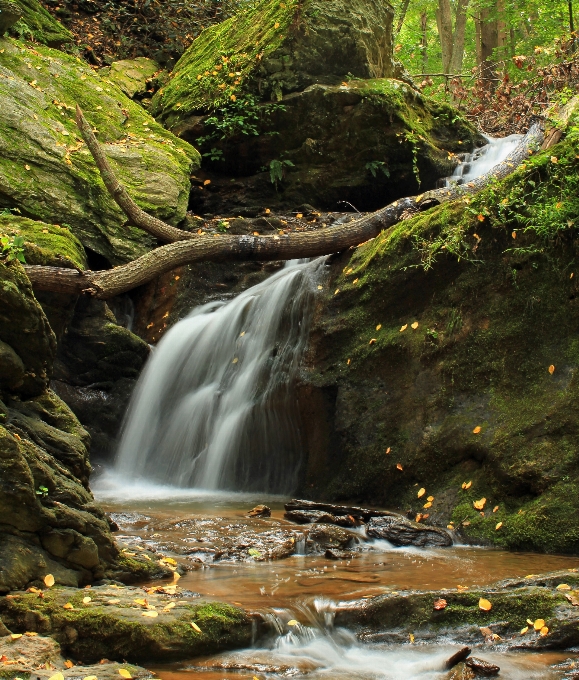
pixel 551 369
pixel 563 586
pixel 124 673
pixel 477 429
pixel 414 325
pixel 421 492
pixel 404 328
pixel 68 605
pixel 399 467
pixel 539 623
pixel 499 525
pixel 479 505
pixel 525 630
pixel 49 580
pixel 195 626
pixel 484 605
pixel 544 631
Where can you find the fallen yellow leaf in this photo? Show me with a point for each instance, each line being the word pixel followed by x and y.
pixel 57 676
pixel 16 636
pixel 293 622
pixel 525 630
pixel 479 505
pixel 195 626
pixel 90 677
pixel 539 623
pixel 495 508
pixel 150 614
pixel 49 580
pixel 468 485
pixel 485 605
pixel 544 631
pixel 206 182
pixel 514 234
pixel 477 429
pixel 379 326
pixel 430 499
pixel 388 450
pixel 399 467
pixel 551 369
pixel 68 664
pixel 563 586
pixel 499 525
pixel 411 637
pixel 421 492
pixel 169 606
pixel 68 605
pixel 372 341
pixel 427 505
pixel 140 600
pixel 404 328
pixel 124 673
pixel 414 326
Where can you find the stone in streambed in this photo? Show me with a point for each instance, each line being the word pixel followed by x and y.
pixel 482 667
pixel 461 672
pixel 401 531
pixel 260 511
pixel 324 536
pixel 457 657
pixel 119 623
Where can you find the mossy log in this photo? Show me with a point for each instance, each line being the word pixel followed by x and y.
pixel 185 247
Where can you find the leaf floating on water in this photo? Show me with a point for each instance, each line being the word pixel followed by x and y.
pixel 124 673
pixel 421 492
pixel 563 586
pixel 440 604
pixel 49 580
pixel 404 328
pixel 479 505
pixel 484 605
pixel 477 429
pixel 195 626
pixel 293 622
pixel 551 369
pixel 499 525
pixel 399 467
pixel 539 623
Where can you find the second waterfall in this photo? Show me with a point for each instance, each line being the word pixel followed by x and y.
pixel 215 406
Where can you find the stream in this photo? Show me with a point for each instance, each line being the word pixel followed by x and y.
pixel 192 525
pixel 214 403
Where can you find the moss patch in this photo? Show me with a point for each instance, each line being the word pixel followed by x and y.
pixel 37 23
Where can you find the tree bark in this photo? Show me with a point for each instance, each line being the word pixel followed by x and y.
pixel 458 38
pixel 424 40
pixel 444 23
pixel 111 282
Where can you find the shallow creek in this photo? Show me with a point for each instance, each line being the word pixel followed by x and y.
pixel 212 534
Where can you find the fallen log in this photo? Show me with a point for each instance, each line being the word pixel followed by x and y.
pixel 186 248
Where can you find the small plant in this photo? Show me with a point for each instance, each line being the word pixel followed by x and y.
pixel 277 170
pixel 8 212
pixel 214 155
pixel 374 166
pixel 454 321
pixel 222 226
pixel 12 248
pixel 42 491
pixel 432 334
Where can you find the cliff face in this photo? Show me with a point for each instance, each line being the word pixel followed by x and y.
pixel 445 356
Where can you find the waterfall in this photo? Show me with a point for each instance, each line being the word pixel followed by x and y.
pixel 482 160
pixel 214 407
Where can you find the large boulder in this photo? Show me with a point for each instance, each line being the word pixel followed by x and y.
pixel 48 173
pixel 400 531
pixel 131 75
pixel 300 102
pixel 273 48
pixel 37 23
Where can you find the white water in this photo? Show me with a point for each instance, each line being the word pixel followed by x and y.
pixel 214 408
pixel 482 160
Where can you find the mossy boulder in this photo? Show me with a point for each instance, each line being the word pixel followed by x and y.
pixel 47 172
pixel 37 23
pixel 445 357
pixel 464 618
pixel 117 625
pixel 132 76
pixel 273 48
pixel 10 12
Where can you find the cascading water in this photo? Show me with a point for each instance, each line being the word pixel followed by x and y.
pixel 480 161
pixel 214 408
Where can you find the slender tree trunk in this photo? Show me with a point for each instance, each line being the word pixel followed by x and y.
pixel 458 37
pixel 489 41
pixel 424 40
pixel 402 16
pixel 444 23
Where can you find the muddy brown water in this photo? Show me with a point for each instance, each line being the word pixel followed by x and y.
pixel 303 587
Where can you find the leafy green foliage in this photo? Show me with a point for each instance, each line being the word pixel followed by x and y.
pixel 42 491
pixel 12 248
pixel 374 166
pixel 277 170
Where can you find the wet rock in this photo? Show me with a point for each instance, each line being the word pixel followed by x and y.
pixel 132 76
pixel 11 368
pixel 461 672
pixel 117 625
pixel 3 630
pixel 38 130
pixel 481 667
pixel 36 649
pixel 457 657
pixel 363 514
pixel 324 536
pixel 402 531
pixel 335 554
pixel 260 511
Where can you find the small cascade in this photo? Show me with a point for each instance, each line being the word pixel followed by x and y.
pixel 214 408
pixel 481 160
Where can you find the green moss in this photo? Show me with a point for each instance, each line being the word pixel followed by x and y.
pixel 224 57
pixel 45 244
pixel 37 23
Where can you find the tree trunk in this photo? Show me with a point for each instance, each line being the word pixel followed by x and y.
pixel 424 40
pixel 444 23
pixel 111 282
pixel 458 37
pixel 403 11
pixel 489 41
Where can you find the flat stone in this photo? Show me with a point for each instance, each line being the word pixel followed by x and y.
pixel 482 667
